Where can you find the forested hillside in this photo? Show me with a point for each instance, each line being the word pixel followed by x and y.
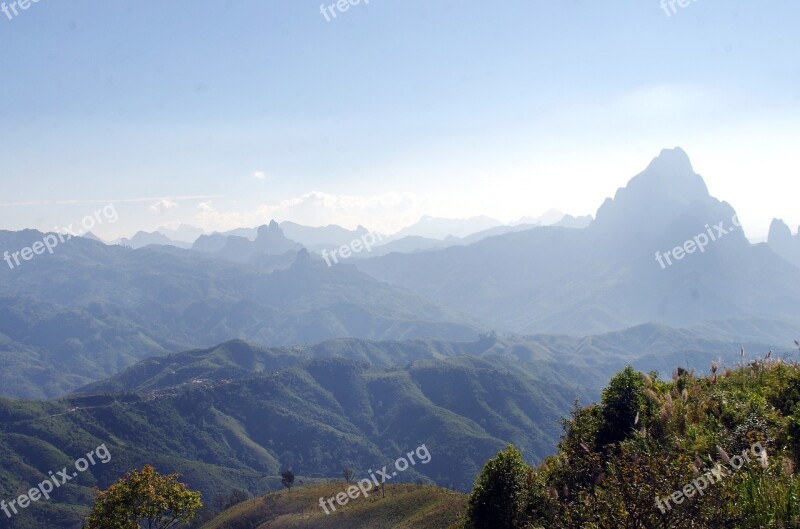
pixel 714 451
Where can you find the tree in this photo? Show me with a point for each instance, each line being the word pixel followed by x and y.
pixel 236 497
pixel 624 405
pixel 144 499
pixel 287 478
pixel 498 500
pixel 349 475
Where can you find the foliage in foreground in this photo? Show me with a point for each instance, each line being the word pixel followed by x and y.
pixel 648 439
pixel 144 499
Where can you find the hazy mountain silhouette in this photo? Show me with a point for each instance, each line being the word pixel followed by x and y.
pixel 439 228
pixel 326 237
pixel 182 233
pixel 606 276
pixel 414 243
pixel 269 240
pixel 142 239
pixel 548 218
pixel 90 310
pixel 783 242
pixel 91 236
pixel 211 243
pixel 568 221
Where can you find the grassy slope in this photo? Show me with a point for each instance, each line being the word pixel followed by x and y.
pixel 649 437
pixel 405 507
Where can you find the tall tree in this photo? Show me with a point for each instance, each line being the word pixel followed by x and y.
pixel 144 499
pixel 498 500
pixel 287 478
pixel 623 405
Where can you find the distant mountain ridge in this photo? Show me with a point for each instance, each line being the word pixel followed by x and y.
pixel 416 243
pixel 606 277
pixel 142 239
pixel 783 242
pixel 441 228
pixel 270 240
pixel 90 310
pixel 548 357
pixel 325 237
pixel 423 235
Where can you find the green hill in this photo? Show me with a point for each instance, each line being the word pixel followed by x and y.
pixel 563 360
pixel 315 419
pixel 404 507
pixel 712 452
pixel 234 416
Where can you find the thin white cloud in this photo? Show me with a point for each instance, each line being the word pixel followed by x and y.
pixel 163 206
pixel 109 201
pixel 210 219
pixel 259 175
pixel 35 203
pixel 205 206
pixel 387 213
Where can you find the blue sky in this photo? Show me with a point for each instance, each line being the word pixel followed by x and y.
pixel 230 113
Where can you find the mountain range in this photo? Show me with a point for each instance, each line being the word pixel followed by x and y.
pixel 608 276
pixel 90 310
pixel 431 231
pixel 235 415
pixel 246 354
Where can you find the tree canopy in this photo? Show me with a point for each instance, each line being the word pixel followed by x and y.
pixel 146 499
